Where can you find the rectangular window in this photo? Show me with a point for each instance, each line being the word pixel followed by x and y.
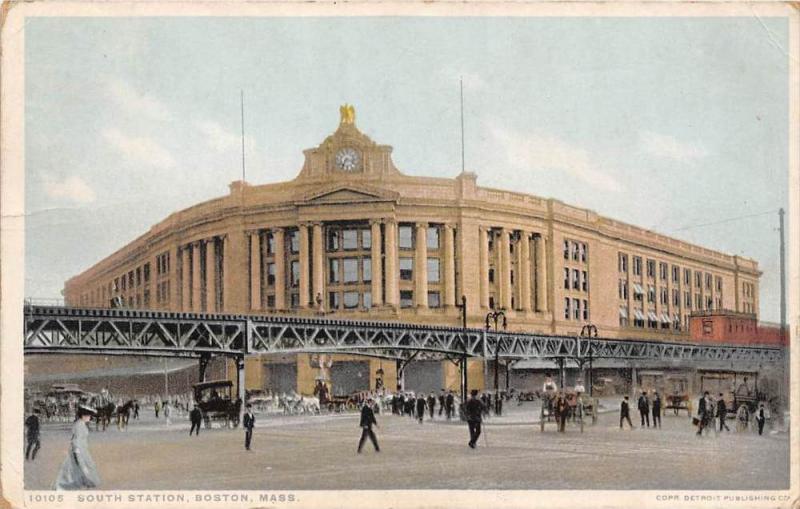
pixel 585 309
pixel 271 301
pixel 367 299
pixel 676 274
pixel 130 279
pixel 491 302
pixel 566 251
pixel 664 295
pixel 698 279
pixel 698 299
pixel 511 274
pixel 270 244
pixel 406 298
pixel 566 279
pixel 295 300
pixel 584 252
pixel 709 303
pixel 138 276
pixel 434 300
pixel 637 266
pixel 366 239
pixel 270 274
pixel 623 262
pixel 687 277
pixel 405 237
pixel 333 271
pixel 333 300
pixel 350 271
pixel 584 281
pixel 708 281
pixel 433 270
pixel 295 273
pixel 567 313
pixel 575 253
pixel 676 298
pixel 432 237
pixel 719 284
pixel 366 270
pixel 623 289
pixel 651 293
pixel 349 241
pixel 576 309
pixel 651 268
pixel 687 300
pixel 663 269
pixel 491 275
pixel 333 240
pixel 294 241
pixel 350 300
pixel 406 269
pixel 576 279
pixel 146 272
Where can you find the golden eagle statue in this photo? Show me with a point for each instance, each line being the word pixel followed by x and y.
pixel 347 114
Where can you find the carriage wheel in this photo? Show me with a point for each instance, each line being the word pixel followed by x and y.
pixel 350 405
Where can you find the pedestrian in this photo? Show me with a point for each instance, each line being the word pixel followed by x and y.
pixel 485 402
pixel 166 409
pixel 420 407
pixel 196 417
pixel 442 397
pixel 499 405
pixel 136 409
pixel 410 402
pixel 367 420
pixel 742 418
pixel 761 418
pixel 562 412
pixel 625 413
pixel 248 422
pixel 449 405
pixel 431 404
pixel 157 407
pixel 32 435
pixel 702 413
pixel 644 409
pixel 656 410
pixel 722 413
pixel 474 412
pixel 79 472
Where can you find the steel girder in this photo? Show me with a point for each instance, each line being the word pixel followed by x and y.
pixel 113 331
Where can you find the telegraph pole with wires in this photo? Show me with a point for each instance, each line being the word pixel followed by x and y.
pixel 461 83
pixel 241 101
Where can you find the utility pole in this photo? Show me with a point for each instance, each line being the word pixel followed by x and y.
pixel 784 332
pixel 783 273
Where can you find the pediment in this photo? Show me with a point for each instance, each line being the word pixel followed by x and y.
pixel 348 194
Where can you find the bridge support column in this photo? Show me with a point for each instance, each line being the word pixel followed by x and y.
pixel 634 376
pixel 204 360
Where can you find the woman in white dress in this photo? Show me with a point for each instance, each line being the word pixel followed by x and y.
pixel 79 472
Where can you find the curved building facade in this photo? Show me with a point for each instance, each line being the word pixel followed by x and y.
pixel 353 237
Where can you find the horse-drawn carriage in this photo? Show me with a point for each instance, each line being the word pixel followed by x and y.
pixel 579 408
pixel 215 400
pixel 676 392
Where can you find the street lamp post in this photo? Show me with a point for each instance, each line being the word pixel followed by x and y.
pixel 495 315
pixel 464 381
pixel 590 331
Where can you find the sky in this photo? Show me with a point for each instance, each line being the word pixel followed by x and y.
pixel 679 125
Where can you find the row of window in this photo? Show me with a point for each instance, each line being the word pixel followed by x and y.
pixel 575 279
pixel 576 309
pixel 162 264
pixel 651 320
pixel 663 272
pixel 638 295
pixel 576 251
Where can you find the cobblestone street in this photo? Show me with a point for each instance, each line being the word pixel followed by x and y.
pixel 319 452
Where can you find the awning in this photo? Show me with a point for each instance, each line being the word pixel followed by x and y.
pixel 665 318
pixel 623 312
pixel 637 288
pixel 652 316
pixel 638 314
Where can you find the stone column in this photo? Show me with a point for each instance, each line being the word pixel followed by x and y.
pixel 483 253
pixel 448 266
pixel 304 272
pixel 318 249
pixel 255 270
pixel 174 303
pixel 421 266
pixel 235 268
pixel 186 278
pixel 280 268
pixel 392 272
pixel 196 278
pixel 504 259
pixel 377 287
pixel 211 276
pixel 541 274
pixel 524 269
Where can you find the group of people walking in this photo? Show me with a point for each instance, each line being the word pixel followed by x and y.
pixel 415 406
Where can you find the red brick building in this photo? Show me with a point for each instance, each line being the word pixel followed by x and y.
pixel 731 327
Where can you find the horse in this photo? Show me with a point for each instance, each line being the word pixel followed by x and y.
pixel 123 414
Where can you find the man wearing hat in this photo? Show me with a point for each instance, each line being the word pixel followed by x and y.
pixel 32 435
pixel 248 421
pixel 79 472
pixel 367 420
pixel 196 417
pixel 474 411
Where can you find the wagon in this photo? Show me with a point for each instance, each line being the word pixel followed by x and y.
pixel 581 409
pixel 214 400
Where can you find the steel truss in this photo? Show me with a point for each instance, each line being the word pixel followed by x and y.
pixel 130 332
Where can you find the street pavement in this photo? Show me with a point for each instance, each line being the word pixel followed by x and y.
pixel 319 452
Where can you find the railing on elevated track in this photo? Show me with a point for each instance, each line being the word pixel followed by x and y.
pixel 51 329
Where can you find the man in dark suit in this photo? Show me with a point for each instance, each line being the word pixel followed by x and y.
pixel 431 404
pixel 448 405
pixel 656 410
pixel 420 407
pixel 248 421
pixel 702 413
pixel 442 397
pixel 32 435
pixel 196 416
pixel 722 413
pixel 474 412
pixel 625 413
pixel 644 409
pixel 367 420
pixel 761 418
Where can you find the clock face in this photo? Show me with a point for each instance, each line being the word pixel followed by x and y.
pixel 347 159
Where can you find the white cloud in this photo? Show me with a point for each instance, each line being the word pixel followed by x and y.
pixel 223 140
pixel 533 151
pixel 136 103
pixel 140 150
pixel 73 188
pixel 667 147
